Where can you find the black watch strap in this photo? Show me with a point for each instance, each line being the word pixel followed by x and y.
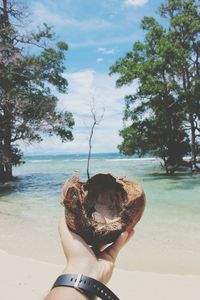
pixel 89 286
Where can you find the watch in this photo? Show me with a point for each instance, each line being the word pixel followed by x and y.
pixel 86 285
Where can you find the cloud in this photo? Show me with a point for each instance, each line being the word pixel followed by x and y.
pixel 136 2
pixel 106 51
pixel 104 41
pixel 99 59
pixel 84 86
pixel 42 13
pixel 101 49
pixel 87 84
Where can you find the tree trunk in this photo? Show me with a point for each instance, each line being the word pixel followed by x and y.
pixel 6 173
pixel 1 173
pixel 7 161
pixel 193 146
pixel 165 165
pixel 4 16
pixel 90 149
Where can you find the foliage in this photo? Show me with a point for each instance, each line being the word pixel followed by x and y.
pixel 164 111
pixel 27 85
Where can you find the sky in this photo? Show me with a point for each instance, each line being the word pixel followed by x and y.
pixel 98 32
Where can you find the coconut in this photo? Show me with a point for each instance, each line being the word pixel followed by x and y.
pixel 103 207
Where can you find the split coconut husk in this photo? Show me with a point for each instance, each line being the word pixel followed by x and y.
pixel 103 207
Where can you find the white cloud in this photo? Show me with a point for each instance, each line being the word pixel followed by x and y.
pixel 83 87
pixel 136 2
pixel 42 13
pixel 99 59
pixel 101 49
pixel 106 51
pixel 105 41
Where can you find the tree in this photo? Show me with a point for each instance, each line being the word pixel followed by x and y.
pixel 159 110
pixel 96 121
pixel 27 103
pixel 184 20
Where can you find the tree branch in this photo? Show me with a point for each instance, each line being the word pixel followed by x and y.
pixel 96 121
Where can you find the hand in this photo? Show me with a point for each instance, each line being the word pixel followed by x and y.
pixel 81 258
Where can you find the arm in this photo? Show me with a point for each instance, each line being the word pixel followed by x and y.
pixel 81 259
pixel 63 293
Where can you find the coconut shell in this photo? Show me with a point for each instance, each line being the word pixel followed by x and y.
pixel 103 207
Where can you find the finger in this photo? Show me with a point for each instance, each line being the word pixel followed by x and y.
pixel 102 247
pixel 64 230
pixel 112 251
pixel 72 243
pixel 65 236
pixel 130 234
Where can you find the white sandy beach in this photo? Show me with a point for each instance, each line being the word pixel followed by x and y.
pixel 24 278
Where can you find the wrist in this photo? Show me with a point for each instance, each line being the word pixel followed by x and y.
pixel 88 286
pixel 81 268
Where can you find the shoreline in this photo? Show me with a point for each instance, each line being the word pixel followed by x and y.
pixel 35 278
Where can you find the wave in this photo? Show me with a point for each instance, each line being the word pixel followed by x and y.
pixel 84 159
pixel 150 159
pixel 76 159
pixel 134 159
pixel 94 159
pixel 39 160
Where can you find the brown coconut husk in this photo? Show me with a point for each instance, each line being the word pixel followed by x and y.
pixel 103 207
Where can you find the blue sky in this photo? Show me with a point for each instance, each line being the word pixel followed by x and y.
pixel 98 32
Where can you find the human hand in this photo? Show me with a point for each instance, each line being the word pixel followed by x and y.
pixel 82 259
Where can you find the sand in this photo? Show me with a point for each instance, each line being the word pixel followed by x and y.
pixel 24 278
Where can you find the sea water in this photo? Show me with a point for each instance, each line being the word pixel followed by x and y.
pixel 167 239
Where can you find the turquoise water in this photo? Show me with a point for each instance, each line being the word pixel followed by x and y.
pixel 169 227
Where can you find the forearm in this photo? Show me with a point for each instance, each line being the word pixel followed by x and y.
pixel 63 293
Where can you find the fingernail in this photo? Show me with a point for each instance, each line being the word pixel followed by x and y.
pixel 124 234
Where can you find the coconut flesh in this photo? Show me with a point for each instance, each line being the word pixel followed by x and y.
pixel 101 208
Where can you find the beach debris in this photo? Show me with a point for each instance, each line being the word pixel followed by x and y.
pixel 102 207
